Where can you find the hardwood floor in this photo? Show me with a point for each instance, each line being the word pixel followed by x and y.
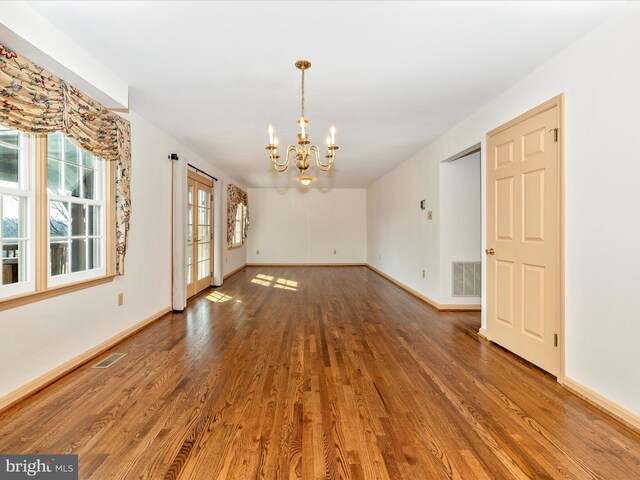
pixel 318 373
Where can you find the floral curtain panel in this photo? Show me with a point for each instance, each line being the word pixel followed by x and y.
pixel 36 101
pixel 235 197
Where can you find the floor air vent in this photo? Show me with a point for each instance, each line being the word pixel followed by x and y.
pixel 110 360
pixel 467 278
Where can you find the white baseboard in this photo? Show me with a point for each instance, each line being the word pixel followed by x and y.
pixel 233 272
pixel 253 264
pixel 51 376
pixel 627 417
pixel 483 333
pixel 438 306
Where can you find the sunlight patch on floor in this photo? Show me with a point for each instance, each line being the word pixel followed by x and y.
pixel 281 283
pixel 218 297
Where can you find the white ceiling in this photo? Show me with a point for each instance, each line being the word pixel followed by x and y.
pixel 390 75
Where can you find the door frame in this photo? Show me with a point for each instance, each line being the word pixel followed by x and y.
pixel 207 182
pixel 557 101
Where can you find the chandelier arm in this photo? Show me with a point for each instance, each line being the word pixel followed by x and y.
pixel 323 166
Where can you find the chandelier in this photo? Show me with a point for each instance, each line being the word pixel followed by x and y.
pixel 303 153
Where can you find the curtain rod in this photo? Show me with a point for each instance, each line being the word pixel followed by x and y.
pixel 202 172
pixel 174 156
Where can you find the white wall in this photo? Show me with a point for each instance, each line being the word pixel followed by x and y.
pixel 31 35
pixel 40 336
pixel 460 220
pixel 307 225
pixel 599 75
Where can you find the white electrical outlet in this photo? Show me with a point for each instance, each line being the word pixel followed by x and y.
pixel 120 299
pixel 424 273
pixel 257 252
pixel 335 251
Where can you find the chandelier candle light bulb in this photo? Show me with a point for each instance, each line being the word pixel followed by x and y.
pixel 302 152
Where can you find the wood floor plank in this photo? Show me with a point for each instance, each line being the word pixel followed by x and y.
pixel 318 373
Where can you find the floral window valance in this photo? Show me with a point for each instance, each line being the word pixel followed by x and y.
pixel 36 101
pixel 236 196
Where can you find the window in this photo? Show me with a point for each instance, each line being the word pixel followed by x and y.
pixel 63 212
pixel 239 234
pixel 16 205
pixel 76 206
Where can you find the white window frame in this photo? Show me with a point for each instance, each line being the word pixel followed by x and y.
pixel 73 277
pixel 26 190
pixel 239 242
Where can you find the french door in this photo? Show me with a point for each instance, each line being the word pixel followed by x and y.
pixel 199 234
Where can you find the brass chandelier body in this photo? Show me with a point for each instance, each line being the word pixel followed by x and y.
pixel 303 153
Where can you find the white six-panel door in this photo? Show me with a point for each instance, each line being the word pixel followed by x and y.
pixel 523 238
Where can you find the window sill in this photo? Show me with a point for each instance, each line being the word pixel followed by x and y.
pixel 31 297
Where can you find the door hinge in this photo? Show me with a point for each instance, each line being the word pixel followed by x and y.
pixel 555 134
pixel 555 340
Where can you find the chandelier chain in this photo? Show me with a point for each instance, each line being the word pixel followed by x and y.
pixel 303 93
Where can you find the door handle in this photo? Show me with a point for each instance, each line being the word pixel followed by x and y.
pixel 490 251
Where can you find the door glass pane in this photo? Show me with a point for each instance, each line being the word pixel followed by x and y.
pixel 9 160
pixel 204 233
pixel 13 217
pixel 203 198
pixel 203 251
pixel 189 264
pixel 78 254
pixel 59 219
pixel 190 194
pixel 203 269
pixel 59 257
pixel 203 216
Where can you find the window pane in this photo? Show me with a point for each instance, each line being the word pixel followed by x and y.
pixel 13 262
pixel 13 217
pixel 12 137
pixel 78 219
pixel 70 152
pixel 59 258
pixel 93 220
pixel 59 219
pixel 87 183
pixel 88 160
pixel 191 195
pixel 78 254
pixel 94 253
pixel 54 145
pixel 71 180
pixel 54 175
pixel 9 160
